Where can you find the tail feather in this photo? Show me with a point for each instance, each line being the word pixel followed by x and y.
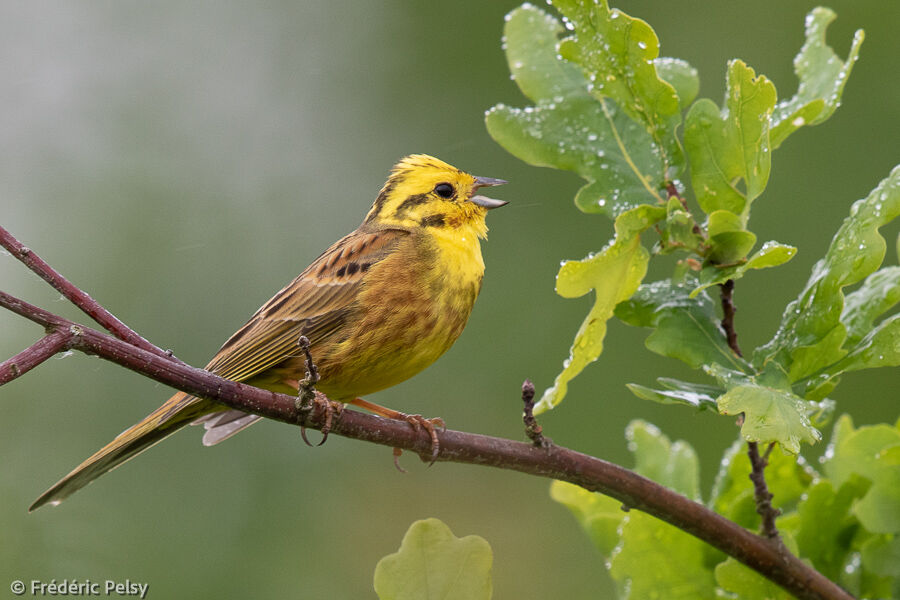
pixel 177 412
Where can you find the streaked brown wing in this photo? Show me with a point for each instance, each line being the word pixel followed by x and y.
pixel 315 304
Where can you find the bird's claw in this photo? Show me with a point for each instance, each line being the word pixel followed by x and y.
pixel 330 408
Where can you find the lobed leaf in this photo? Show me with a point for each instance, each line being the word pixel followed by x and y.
pixel 877 294
pixel 873 453
pixel 746 583
pixel 569 128
pixel 771 254
pixel 686 327
pixel 617 54
pixel 811 335
pixel 600 516
pixel 733 145
pixel 654 556
pixel 614 274
pixel 770 415
pixel 434 564
pixel 673 465
pixel 822 78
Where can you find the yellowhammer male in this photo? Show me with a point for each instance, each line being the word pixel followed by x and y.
pixel 378 306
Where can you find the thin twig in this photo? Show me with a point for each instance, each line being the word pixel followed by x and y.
pixel 532 429
pixel 761 494
pixel 728 310
pixel 76 296
pixel 764 507
pixel 29 358
pixel 588 472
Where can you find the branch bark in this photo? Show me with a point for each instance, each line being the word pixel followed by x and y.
pixel 758 464
pixel 553 462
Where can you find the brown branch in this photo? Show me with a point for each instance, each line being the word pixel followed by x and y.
pixel 29 358
pixel 728 309
pixel 75 295
pixel 564 464
pixel 761 493
pixel 532 429
pixel 132 351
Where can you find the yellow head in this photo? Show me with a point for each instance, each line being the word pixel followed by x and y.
pixel 423 191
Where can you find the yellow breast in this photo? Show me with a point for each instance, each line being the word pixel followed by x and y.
pixel 416 303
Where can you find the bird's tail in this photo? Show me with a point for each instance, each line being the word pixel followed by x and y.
pixel 177 412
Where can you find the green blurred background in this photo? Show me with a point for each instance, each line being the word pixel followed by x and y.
pixel 181 162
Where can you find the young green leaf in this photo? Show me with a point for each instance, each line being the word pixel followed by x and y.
pixel 673 465
pixel 771 254
pixel 654 556
pixel 570 129
pixel 690 398
pixel 881 348
pixel 877 294
pixel 822 78
pixel 434 564
pixel 686 328
pixel 680 75
pixel 747 584
pixel 770 415
pixel 826 525
pixel 811 335
pixel 874 453
pixel 614 274
pixel 732 145
pixel 599 515
pixel 617 54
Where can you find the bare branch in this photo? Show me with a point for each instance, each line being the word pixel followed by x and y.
pixel 79 298
pixel 761 494
pixel 135 353
pixel 34 355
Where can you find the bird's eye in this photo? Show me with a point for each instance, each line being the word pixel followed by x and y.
pixel 444 190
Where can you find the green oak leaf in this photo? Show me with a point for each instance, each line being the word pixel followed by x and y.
pixel 826 526
pixel 678 232
pixel 770 415
pixel 771 254
pixel 877 294
pixel 811 335
pixel 822 78
pixel 881 555
pixel 570 129
pixel 680 75
pixel 434 564
pixel 871 452
pixel 673 465
pixel 738 579
pixel 617 53
pixel 600 516
pixel 880 348
pixel 690 398
pixel 686 328
pixel 653 556
pixel 731 146
pixel 614 274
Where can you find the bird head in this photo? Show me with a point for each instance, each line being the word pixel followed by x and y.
pixel 423 191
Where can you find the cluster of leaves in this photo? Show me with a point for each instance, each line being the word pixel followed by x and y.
pixel 842 517
pixel 609 108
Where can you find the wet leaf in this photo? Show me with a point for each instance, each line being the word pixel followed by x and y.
pixel 569 128
pixel 614 274
pixel 686 328
pixel 877 294
pixel 770 415
pixel 771 254
pixel 822 78
pixel 617 53
pixel 811 335
pixel 729 150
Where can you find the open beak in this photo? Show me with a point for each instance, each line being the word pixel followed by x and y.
pixel 484 201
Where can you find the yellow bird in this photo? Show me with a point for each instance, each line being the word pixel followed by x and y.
pixel 378 306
